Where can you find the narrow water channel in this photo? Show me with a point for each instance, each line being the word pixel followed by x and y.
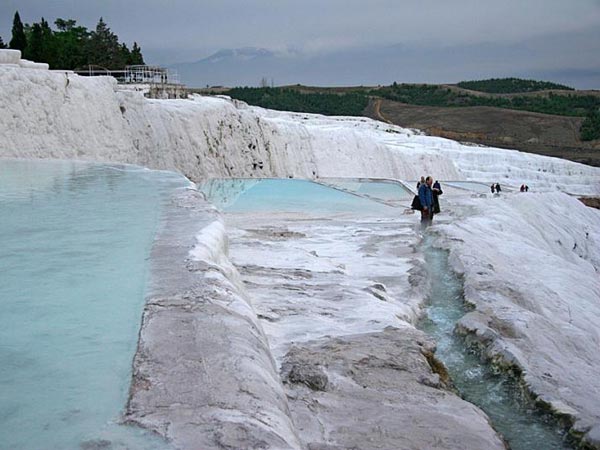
pixel 512 413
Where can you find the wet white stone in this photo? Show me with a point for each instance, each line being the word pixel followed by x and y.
pixel 203 373
pixel 531 265
pixel 337 300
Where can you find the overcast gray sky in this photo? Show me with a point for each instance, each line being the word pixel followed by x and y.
pixel 185 30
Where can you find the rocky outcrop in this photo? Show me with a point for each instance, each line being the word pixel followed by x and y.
pixel 377 390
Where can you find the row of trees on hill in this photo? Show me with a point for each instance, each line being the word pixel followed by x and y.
pixel 71 46
pixel 435 95
pixel 285 99
pixel 511 85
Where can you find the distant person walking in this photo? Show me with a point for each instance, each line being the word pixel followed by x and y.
pixel 436 190
pixel 426 199
pixel 498 190
pixel 522 188
pixel 493 188
pixel 420 182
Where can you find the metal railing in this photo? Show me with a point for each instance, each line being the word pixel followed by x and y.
pixel 139 74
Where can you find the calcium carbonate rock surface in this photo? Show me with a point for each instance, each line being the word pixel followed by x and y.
pixel 320 322
pixel 338 299
pixel 203 373
pixel 531 265
pixel 48 114
pixel 386 382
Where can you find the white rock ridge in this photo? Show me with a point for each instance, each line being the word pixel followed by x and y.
pixel 51 114
pixel 531 265
pixel 203 374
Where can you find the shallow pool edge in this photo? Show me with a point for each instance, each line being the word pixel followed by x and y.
pixel 203 375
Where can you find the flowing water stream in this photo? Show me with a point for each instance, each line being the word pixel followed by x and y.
pixel 512 413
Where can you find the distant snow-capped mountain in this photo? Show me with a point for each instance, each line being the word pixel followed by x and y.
pixel 388 63
pixel 243 54
pixel 230 67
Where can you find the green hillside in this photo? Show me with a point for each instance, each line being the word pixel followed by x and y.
pixel 287 99
pixel 511 86
pixel 353 101
pixel 437 95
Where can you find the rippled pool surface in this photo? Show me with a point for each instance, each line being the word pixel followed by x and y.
pixel 385 190
pixel 285 195
pixel 74 240
pixel 498 395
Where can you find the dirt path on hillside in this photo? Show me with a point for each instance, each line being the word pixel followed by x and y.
pixel 544 134
pixel 377 112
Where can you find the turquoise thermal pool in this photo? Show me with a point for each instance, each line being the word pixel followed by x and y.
pixel 285 195
pixel 325 195
pixel 384 190
pixel 75 241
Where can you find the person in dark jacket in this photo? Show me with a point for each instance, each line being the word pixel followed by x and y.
pixel 493 188
pixel 426 199
pixel 498 188
pixel 436 190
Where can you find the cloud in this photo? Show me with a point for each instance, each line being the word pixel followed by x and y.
pixel 192 29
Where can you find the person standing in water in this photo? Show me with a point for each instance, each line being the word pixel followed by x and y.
pixel 426 199
pixel 436 190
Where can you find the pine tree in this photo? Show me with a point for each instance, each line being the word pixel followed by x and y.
pixel 33 50
pixel 50 44
pixel 104 49
pixel 19 40
pixel 124 55
pixel 65 25
pixel 71 43
pixel 41 44
pixel 72 46
pixel 136 58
